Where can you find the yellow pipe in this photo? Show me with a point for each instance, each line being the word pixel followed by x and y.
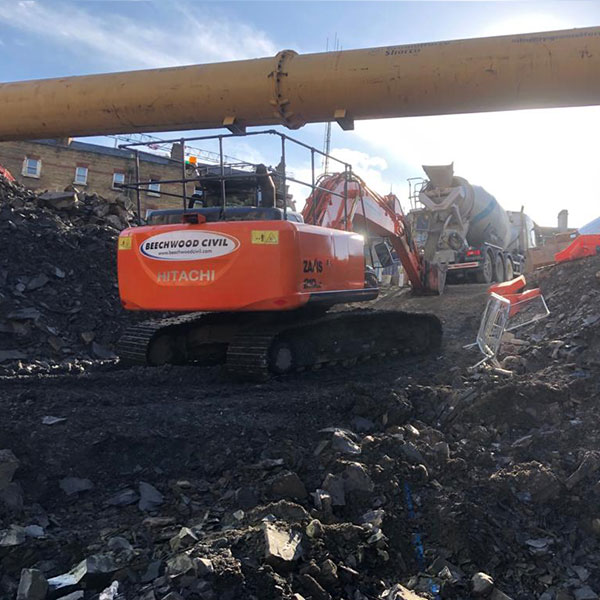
pixel 560 68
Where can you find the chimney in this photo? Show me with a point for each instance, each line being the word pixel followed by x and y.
pixel 177 151
pixel 563 220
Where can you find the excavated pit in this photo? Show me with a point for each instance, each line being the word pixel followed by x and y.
pixel 340 483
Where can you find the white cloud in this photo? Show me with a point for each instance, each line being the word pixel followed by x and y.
pixel 546 160
pixel 122 42
pixel 526 23
pixel 370 168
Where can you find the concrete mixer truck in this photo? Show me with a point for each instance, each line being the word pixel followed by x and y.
pixel 463 227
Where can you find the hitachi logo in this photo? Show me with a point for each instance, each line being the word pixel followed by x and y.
pixel 182 276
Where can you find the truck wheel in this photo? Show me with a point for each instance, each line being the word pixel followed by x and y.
pixel 510 270
pixel 499 268
pixel 371 280
pixel 486 271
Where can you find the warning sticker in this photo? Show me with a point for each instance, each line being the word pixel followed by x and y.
pixel 125 243
pixel 265 237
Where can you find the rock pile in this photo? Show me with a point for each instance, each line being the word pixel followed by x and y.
pixel 58 295
pixel 572 291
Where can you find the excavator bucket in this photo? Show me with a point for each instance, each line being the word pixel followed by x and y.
pixel 436 278
pixel 433 281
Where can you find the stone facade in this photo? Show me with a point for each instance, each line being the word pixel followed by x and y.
pixel 54 165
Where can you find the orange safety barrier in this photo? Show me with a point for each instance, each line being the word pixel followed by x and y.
pixel 508 287
pixel 511 291
pixel 516 300
pixel 582 246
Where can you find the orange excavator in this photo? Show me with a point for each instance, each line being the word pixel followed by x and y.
pixel 6 174
pixel 265 276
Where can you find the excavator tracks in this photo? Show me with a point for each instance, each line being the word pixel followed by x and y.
pixel 136 344
pixel 255 346
pixel 337 338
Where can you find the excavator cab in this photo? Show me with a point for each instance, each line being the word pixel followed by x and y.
pixel 214 214
pixel 384 254
pixel 250 195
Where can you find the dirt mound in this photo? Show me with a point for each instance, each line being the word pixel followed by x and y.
pixel 572 291
pixel 58 294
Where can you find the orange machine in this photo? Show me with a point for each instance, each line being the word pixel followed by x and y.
pixel 254 265
pixel 268 275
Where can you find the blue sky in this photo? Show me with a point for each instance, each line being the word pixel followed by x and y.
pixel 539 159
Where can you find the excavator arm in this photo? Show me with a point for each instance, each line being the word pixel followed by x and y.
pixel 344 201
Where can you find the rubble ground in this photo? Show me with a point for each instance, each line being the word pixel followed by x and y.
pixel 393 479
pixel 58 293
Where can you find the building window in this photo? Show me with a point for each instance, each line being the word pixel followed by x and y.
pixel 81 175
pixel 118 180
pixel 32 167
pixel 154 187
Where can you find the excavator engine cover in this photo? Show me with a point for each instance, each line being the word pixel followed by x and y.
pixel 239 266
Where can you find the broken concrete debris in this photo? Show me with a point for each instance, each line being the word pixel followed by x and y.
pixel 282 546
pixel 92 571
pixel 75 485
pixel 8 465
pixel 111 592
pixel 185 538
pixel 343 443
pixel 287 484
pixel 123 498
pixel 481 584
pixel 150 497
pixel 34 531
pixel 13 536
pixel 32 585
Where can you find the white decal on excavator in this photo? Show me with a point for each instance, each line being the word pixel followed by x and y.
pixel 194 275
pixel 188 245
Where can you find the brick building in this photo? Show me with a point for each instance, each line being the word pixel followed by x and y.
pixel 54 165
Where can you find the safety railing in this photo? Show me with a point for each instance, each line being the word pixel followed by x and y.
pixel 228 171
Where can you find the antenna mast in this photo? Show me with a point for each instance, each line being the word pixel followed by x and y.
pixel 327 141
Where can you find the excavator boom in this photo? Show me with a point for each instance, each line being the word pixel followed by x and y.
pixel 343 201
pixel 552 69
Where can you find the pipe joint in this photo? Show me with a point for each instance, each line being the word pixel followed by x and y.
pixel 280 100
